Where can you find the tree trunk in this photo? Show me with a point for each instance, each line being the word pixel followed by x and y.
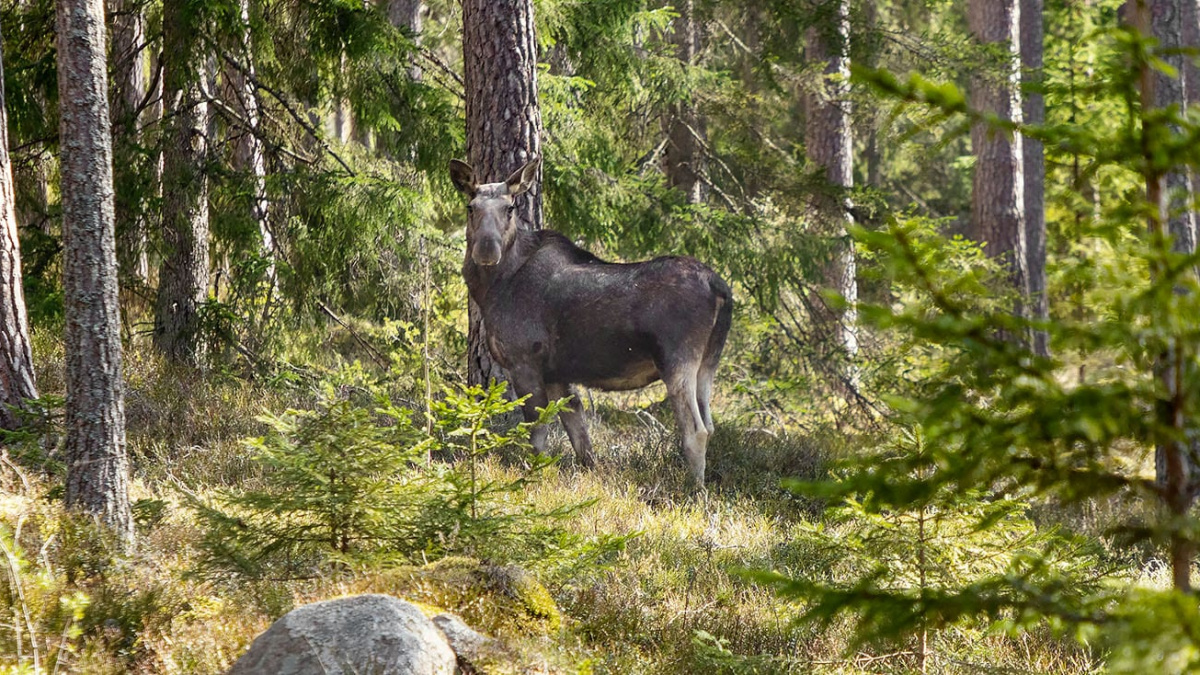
pixel 504 124
pixel 406 15
pixel 1172 462
pixel 1168 20
pixel 183 276
pixel 97 467
pixel 1167 23
pixel 1191 74
pixel 685 157
pixel 998 193
pixel 129 80
pixel 1035 169
pixel 829 144
pixel 16 357
pixel 248 154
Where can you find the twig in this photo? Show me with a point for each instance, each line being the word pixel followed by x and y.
pixel 366 345
pixel 283 101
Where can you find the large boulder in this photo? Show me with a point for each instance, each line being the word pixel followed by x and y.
pixel 376 634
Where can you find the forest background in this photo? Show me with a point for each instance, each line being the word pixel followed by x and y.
pixel 954 419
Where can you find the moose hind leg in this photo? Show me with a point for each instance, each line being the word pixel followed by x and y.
pixel 574 423
pixel 712 357
pixel 681 389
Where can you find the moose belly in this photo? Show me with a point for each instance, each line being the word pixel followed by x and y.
pixel 605 371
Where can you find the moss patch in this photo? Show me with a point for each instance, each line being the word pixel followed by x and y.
pixel 495 599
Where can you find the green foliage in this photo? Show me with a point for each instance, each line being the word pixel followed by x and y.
pixel 932 534
pixel 349 483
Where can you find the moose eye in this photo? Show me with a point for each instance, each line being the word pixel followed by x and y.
pixel 511 209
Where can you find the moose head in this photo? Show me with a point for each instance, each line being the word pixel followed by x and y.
pixel 493 222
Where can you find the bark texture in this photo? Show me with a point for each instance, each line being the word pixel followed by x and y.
pixel 686 161
pixel 183 276
pixel 829 144
pixel 504 124
pixel 1172 193
pixel 129 87
pixel 1034 108
pixel 97 466
pixel 998 192
pixel 1167 24
pixel 16 357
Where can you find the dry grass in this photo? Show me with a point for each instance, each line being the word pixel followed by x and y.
pixel 645 611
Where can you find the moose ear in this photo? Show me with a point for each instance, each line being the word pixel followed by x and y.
pixel 463 177
pixel 522 179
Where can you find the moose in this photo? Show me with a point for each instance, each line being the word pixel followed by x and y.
pixel 555 315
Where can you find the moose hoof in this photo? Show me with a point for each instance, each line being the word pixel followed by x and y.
pixel 585 459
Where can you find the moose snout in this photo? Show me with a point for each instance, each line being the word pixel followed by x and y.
pixel 486 252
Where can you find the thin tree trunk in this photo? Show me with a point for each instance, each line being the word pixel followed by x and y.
pixel 97 466
pixel 829 144
pixel 407 15
pixel 16 356
pixel 248 153
pixel 1035 169
pixel 183 276
pixel 686 161
pixel 1171 455
pixel 1175 471
pixel 129 79
pixel 998 193
pixel 504 124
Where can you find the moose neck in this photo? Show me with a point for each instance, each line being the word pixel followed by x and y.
pixel 482 278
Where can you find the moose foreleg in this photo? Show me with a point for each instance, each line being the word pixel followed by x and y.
pixel 529 382
pixel 574 423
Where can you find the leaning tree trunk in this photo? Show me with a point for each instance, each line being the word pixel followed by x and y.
pixel 504 124
pixel 1035 169
pixel 830 145
pixel 129 79
pixel 686 134
pixel 998 193
pixel 16 357
pixel 97 467
pixel 183 276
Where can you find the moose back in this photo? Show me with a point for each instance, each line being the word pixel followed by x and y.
pixel 556 315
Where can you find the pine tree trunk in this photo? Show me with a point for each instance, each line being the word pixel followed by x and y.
pixel 685 156
pixel 829 144
pixel 97 466
pixel 16 357
pixel 183 276
pixel 248 154
pixel 1191 75
pixel 1168 26
pixel 406 15
pixel 504 124
pixel 1168 22
pixel 129 80
pixel 1172 462
pixel 998 193
pixel 1035 169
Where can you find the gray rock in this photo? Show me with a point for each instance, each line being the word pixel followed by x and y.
pixel 358 635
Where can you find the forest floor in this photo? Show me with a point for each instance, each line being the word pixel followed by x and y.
pixel 676 597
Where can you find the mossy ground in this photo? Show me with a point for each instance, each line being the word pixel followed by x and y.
pixel 674 599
